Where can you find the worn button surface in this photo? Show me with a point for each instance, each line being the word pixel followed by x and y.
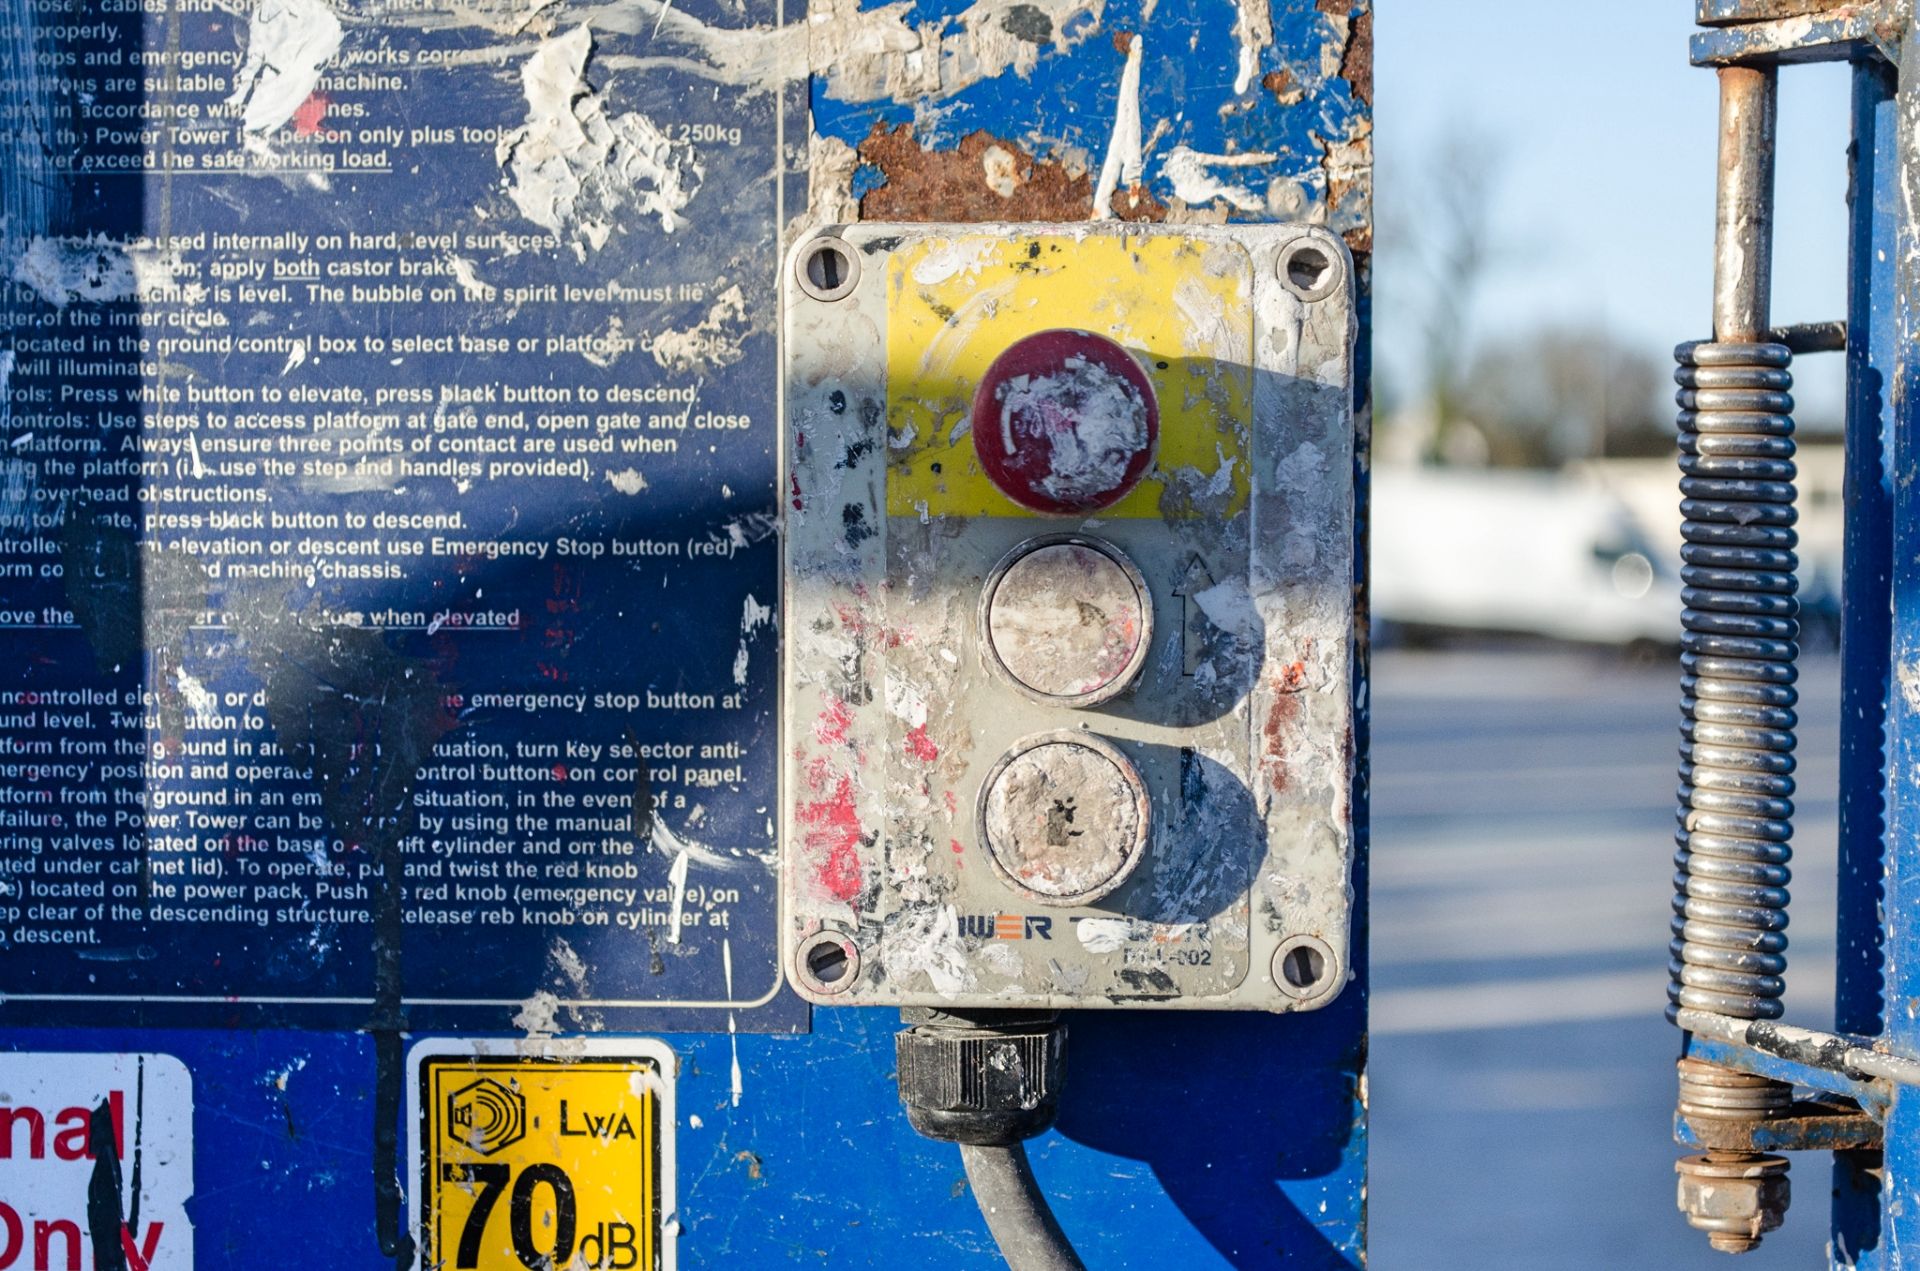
pixel 1068 620
pixel 1065 818
pixel 1065 422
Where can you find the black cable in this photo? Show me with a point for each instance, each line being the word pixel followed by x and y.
pixel 1016 1210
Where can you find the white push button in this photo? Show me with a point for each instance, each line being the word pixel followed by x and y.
pixel 1068 620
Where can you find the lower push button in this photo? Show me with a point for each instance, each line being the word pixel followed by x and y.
pixel 1064 818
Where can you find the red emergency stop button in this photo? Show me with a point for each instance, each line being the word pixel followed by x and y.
pixel 1065 422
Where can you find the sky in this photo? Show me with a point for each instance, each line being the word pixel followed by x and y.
pixel 1607 172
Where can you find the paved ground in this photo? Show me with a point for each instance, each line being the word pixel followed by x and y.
pixel 1522 1074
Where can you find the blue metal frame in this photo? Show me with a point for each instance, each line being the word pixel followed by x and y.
pixel 1879 833
pixel 1866 630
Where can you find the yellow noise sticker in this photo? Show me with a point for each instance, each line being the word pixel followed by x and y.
pixel 531 1162
pixel 1181 306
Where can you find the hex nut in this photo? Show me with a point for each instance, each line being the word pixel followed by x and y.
pixel 1735 1197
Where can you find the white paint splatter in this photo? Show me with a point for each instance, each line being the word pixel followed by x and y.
pixel 1206 330
pixel 888 52
pixel 1221 482
pixel 928 941
pixel 472 285
pixel 716 341
pixel 575 169
pixel 289 43
pixel 203 704
pixel 1253 29
pixel 1229 606
pixel 1002 960
pixel 280 1079
pixel 627 481
pixel 539 1015
pixel 1102 935
pixel 665 841
pixel 905 701
pixel 998 169
pixel 1190 173
pixel 754 616
pixel 568 962
pixel 63 270
pixel 733 1031
pixel 1124 161
pixel 948 259
pixel 99 270
pixel 677 877
pixel 1093 422
pixel 296 357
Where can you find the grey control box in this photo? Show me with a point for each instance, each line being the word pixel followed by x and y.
pixel 1068 612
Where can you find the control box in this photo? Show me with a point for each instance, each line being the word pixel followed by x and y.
pixel 1068 615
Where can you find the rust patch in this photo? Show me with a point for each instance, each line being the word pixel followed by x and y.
pixel 1278 83
pixel 983 179
pixel 1356 64
pixel 1273 749
pixel 1336 8
pixel 1123 42
pixel 1287 687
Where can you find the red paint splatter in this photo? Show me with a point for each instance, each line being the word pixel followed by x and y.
pixel 832 837
pixel 953 804
pixel 920 746
pixel 559 772
pixel 955 845
pixel 831 728
pixel 856 623
pixel 797 504
pixel 308 114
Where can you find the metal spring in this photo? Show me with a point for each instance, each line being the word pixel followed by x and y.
pixel 1738 648
pixel 1709 1092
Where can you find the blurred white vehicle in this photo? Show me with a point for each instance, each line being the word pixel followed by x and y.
pixel 1547 554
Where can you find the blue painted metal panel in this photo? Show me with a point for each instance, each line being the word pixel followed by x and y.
pixel 1186 1141
pixel 1899 1234
pixel 1170 1152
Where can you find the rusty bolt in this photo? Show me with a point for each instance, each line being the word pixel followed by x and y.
pixel 1735 1197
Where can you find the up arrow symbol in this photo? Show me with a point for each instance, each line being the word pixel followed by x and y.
pixel 1194 579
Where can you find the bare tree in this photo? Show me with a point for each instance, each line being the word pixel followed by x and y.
pixel 1567 393
pixel 1441 235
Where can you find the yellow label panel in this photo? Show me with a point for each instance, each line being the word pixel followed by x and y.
pixel 1183 306
pixel 534 1161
